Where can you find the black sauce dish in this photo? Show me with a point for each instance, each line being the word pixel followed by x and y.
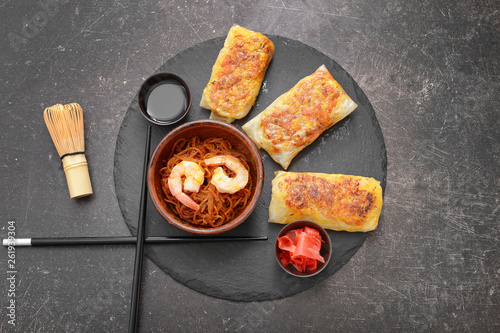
pixel 164 98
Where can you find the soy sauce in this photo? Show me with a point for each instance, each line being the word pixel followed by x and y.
pixel 167 101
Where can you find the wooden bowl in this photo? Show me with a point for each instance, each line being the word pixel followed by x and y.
pixel 325 252
pixel 204 129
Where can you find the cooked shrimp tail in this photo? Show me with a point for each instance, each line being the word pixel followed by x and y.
pixel 221 180
pixel 194 177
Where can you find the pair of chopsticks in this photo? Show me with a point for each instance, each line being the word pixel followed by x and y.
pixel 140 240
pixel 139 249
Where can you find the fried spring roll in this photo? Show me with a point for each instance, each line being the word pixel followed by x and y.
pixel 336 202
pixel 296 118
pixel 237 74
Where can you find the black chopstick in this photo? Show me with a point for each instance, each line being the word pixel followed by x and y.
pixel 122 240
pixel 139 250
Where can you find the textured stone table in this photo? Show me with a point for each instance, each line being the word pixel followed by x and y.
pixel 431 71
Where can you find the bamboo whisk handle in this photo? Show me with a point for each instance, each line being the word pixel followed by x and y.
pixel 77 175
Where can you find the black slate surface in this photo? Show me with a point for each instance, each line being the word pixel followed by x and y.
pixel 430 70
pixel 243 271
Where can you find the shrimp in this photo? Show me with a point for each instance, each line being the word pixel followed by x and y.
pixel 194 177
pixel 221 181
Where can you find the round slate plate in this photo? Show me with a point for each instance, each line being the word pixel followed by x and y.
pixel 248 271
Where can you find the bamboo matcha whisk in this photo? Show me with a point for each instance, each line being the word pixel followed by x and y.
pixel 65 125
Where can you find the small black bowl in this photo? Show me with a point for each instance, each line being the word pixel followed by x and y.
pixel 325 251
pixel 164 98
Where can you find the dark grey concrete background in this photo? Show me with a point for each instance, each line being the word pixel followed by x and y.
pixel 431 71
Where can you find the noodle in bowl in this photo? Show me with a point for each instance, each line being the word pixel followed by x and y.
pixel 196 143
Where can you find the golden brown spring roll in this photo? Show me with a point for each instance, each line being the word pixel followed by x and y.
pixel 296 118
pixel 237 74
pixel 336 202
